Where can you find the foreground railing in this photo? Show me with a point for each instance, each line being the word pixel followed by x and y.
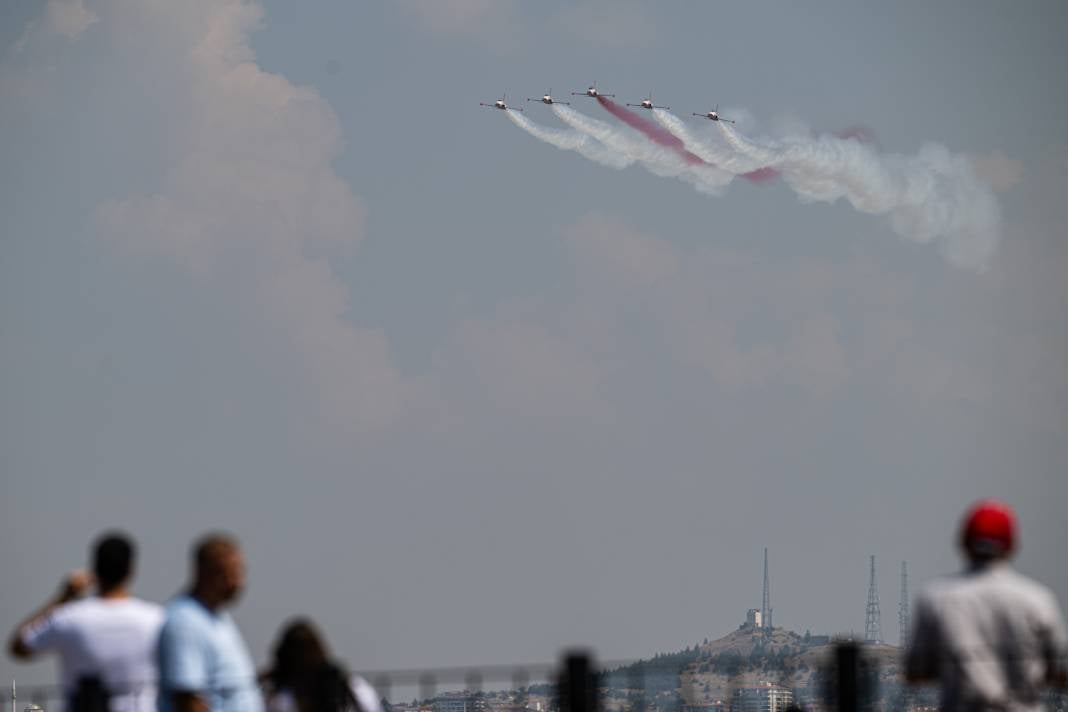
pixel 847 681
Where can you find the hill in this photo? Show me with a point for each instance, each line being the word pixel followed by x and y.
pixel 746 657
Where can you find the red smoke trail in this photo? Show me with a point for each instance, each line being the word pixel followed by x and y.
pixel 654 132
pixel 761 174
pixel 662 137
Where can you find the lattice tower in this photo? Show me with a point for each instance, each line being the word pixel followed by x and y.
pixel 873 622
pixel 903 616
pixel 765 605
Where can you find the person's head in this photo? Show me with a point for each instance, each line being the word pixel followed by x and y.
pixel 113 561
pixel 218 569
pixel 299 652
pixel 988 531
pixel 303 667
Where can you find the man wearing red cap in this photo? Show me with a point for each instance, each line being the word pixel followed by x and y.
pixel 991 637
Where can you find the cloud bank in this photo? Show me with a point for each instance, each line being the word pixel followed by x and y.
pixel 250 202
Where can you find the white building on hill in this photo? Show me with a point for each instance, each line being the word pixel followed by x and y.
pixel 765 697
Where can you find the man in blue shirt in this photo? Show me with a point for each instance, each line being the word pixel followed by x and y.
pixel 204 664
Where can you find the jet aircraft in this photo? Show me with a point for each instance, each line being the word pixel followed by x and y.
pixel 648 104
pixel 714 116
pixel 499 104
pixel 548 99
pixel 591 91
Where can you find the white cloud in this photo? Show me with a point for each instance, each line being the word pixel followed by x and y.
pixel 250 202
pixel 698 304
pixel 736 321
pixel 69 18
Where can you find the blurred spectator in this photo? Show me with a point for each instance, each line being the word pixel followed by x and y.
pixel 107 642
pixel 304 679
pixel 204 663
pixel 991 637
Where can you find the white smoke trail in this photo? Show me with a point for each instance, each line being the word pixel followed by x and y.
pixel 708 149
pixel 756 151
pixel 572 140
pixel 656 159
pixel 932 196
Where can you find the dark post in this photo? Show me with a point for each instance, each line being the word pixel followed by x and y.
pixel 577 689
pixel 847 667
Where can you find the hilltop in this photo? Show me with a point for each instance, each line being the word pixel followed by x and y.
pixel 746 657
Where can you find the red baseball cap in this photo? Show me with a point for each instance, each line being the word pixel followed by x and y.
pixel 989 529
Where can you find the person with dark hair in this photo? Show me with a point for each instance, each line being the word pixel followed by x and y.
pixel 106 642
pixel 991 637
pixel 204 664
pixel 305 679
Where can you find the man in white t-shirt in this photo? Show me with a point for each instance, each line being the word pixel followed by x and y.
pixel 105 641
pixel 992 638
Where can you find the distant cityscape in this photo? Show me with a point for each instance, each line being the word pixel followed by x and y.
pixel 755 668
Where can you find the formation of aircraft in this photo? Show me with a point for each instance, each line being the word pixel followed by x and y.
pixel 548 99
pixel 593 93
pixel 499 104
pixel 648 104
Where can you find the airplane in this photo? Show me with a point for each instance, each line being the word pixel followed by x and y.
pixel 714 116
pixel 548 99
pixel 591 92
pixel 499 104
pixel 648 104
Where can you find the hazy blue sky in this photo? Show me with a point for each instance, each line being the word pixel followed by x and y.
pixel 467 398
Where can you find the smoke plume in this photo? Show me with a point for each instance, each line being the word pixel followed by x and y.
pixel 932 196
pixel 657 159
pixel 571 140
pixel 712 152
pixel 651 131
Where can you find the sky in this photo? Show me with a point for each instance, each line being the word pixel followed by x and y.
pixel 466 398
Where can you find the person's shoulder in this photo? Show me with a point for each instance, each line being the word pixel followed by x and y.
pixel 181 602
pixel 148 607
pixel 148 611
pixel 184 611
pixel 75 612
pixel 68 615
pixel 1029 588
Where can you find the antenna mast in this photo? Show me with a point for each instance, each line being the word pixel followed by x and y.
pixel 903 616
pixel 765 605
pixel 873 622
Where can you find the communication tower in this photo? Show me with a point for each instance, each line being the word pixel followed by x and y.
pixel 903 617
pixel 765 606
pixel 873 622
